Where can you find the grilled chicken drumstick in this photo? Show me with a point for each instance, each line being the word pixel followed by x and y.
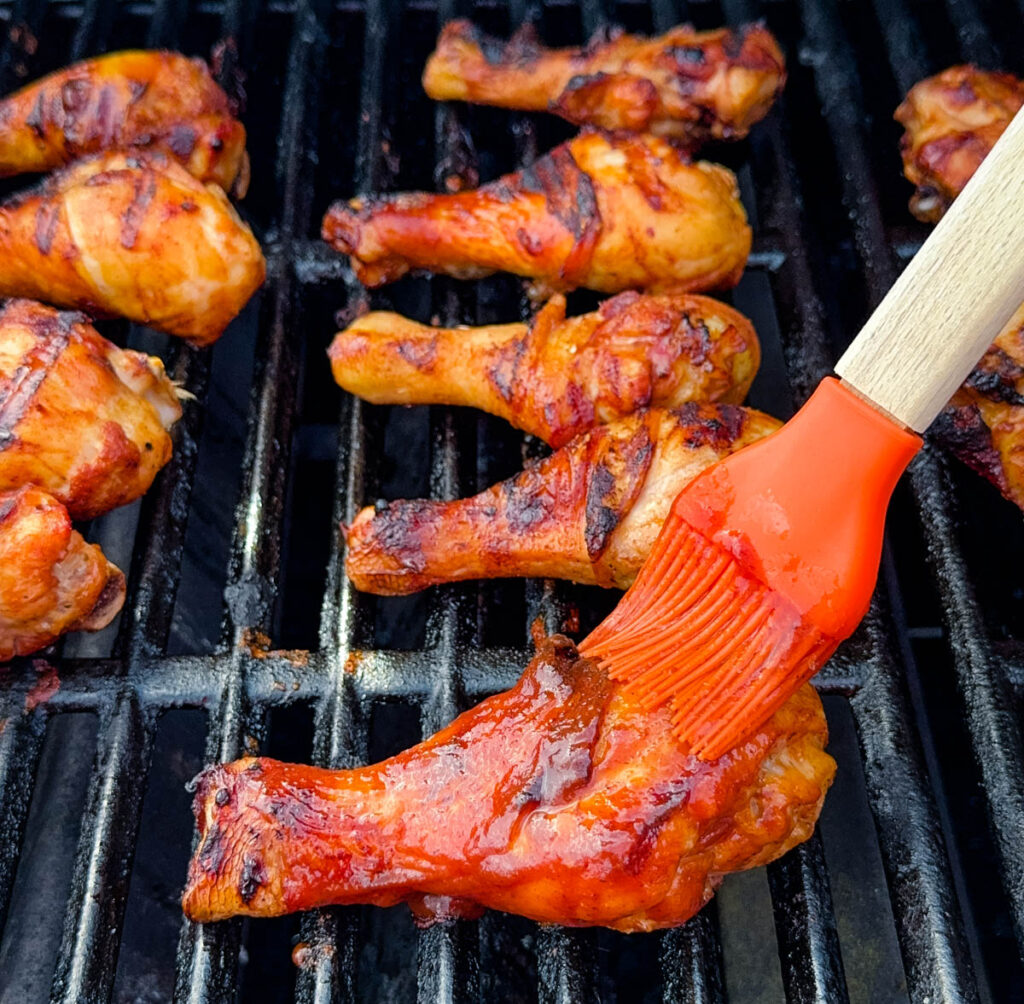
pixel 51 580
pixel 79 417
pixel 560 800
pixel 134 235
pixel 602 211
pixel 685 84
pixel 952 120
pixel 557 377
pixel 983 424
pixel 589 512
pixel 126 101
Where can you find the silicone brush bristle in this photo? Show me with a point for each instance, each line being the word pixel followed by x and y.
pixel 720 645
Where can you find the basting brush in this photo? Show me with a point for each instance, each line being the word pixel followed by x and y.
pixel 768 559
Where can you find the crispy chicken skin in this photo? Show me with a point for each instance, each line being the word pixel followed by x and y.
pixel 559 800
pixel 685 84
pixel 126 101
pixel 952 121
pixel 557 377
pixel 134 235
pixel 589 512
pixel 79 417
pixel 602 211
pixel 983 424
pixel 51 580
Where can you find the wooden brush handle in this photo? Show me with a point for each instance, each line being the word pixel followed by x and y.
pixel 952 299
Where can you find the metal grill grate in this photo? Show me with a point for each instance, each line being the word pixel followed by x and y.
pixel 334 106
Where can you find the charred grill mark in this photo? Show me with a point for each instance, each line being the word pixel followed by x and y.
pixel 52 337
pixel 419 352
pixel 213 850
pixel 36 120
pixel 568 193
pixel 108 115
pixel 47 216
pixel 601 519
pixel 397 528
pixel 144 188
pixel 527 503
pixel 254 875
pixel 136 90
pixel 504 373
pixel 617 477
pixel 996 377
pixel 182 140
pixel 962 431
pixel 719 429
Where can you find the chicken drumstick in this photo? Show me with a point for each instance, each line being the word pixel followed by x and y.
pixel 952 120
pixel 685 84
pixel 556 377
pixel 126 101
pixel 589 512
pixel 131 235
pixel 51 580
pixel 560 800
pixel 602 211
pixel 79 417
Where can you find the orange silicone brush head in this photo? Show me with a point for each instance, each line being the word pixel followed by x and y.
pixel 766 562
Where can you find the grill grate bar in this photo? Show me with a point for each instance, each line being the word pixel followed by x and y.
pixel 208 954
pixel 95 910
pixel 20 744
pixel 812 966
pixel 566 963
pixel 928 921
pixel 339 738
pixel 448 952
pixel 907 823
pixel 975 42
pixel 158 549
pixel 902 43
pixel 691 961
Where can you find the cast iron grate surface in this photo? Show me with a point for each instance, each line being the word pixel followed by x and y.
pixel 240 632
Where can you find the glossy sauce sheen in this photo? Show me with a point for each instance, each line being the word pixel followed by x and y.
pixel 559 800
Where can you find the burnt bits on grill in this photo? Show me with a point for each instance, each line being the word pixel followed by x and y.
pixel 556 377
pixel 590 512
pixel 126 101
pixel 559 800
pixel 131 235
pixel 608 212
pixel 952 120
pixel 688 85
pixel 51 580
pixel 79 417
